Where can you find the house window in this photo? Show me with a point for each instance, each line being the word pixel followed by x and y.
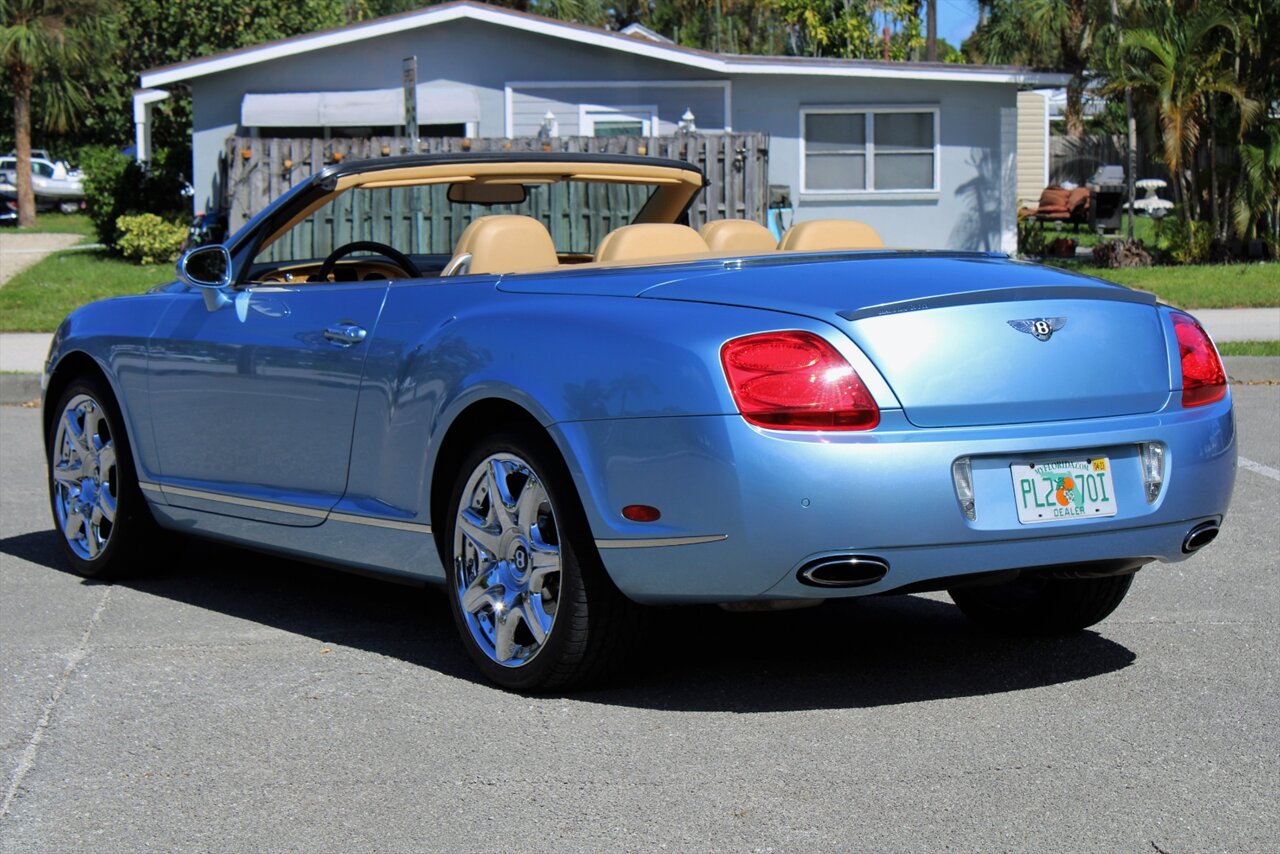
pixel 617 121
pixel 857 150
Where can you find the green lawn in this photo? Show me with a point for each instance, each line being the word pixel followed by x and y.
pixel 60 223
pixel 1144 229
pixel 1195 285
pixel 38 298
pixel 1202 285
pixel 1249 348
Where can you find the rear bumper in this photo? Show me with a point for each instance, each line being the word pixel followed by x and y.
pixel 776 502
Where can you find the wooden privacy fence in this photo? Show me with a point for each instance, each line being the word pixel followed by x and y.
pixel 1076 160
pixel 256 171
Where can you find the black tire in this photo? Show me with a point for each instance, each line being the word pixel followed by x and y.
pixel 1042 606
pixel 105 549
pixel 593 622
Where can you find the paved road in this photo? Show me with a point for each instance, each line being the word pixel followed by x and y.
pixel 238 702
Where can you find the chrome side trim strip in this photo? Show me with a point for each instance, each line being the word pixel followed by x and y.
pixel 150 487
pixel 246 502
pixel 656 542
pixel 375 522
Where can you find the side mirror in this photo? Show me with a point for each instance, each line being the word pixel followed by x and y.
pixel 207 268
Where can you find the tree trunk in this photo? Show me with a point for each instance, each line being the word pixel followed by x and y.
pixel 1131 156
pixel 1131 142
pixel 1193 187
pixel 1179 193
pixel 1074 110
pixel 22 82
pixel 1214 218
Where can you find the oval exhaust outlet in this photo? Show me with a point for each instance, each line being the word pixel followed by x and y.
pixel 843 571
pixel 1199 537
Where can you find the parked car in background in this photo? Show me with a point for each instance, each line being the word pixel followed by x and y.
pixel 54 184
pixel 520 377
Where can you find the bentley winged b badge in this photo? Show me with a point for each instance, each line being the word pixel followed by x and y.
pixel 1041 327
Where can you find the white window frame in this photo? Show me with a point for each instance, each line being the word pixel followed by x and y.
pixel 589 114
pixel 870 111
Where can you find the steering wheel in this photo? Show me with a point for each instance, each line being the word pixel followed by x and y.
pixel 401 260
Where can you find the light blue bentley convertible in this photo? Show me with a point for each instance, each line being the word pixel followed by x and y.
pixel 521 377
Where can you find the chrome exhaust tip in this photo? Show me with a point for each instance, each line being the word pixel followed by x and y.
pixel 843 571
pixel 1199 537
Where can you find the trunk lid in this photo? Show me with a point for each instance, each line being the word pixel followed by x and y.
pixel 955 336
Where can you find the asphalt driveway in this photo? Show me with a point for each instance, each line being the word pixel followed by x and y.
pixel 241 702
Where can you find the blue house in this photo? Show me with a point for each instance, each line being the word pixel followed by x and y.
pixel 924 152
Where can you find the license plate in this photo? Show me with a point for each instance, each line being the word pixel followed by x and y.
pixel 1063 489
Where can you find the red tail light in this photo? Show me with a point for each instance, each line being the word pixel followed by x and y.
pixel 1203 379
pixel 796 381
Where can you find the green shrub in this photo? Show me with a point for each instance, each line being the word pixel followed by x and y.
pixel 1031 240
pixel 106 173
pixel 1187 241
pixel 148 239
pixel 116 185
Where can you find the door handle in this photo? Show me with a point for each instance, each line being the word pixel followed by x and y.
pixel 345 334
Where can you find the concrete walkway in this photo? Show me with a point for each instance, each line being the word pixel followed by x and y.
pixel 1241 324
pixel 19 249
pixel 23 352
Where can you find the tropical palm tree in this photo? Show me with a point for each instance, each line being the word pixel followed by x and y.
pixel 1180 63
pixel 1060 34
pixel 58 45
pixel 1258 198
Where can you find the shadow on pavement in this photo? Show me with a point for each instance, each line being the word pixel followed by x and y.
pixel 847 654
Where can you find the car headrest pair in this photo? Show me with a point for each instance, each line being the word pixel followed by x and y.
pixel 515 244
pixel 653 240
pixel 819 235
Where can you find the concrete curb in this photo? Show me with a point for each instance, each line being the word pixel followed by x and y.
pixel 1253 369
pixel 16 389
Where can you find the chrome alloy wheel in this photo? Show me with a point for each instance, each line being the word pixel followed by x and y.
pixel 506 560
pixel 85 488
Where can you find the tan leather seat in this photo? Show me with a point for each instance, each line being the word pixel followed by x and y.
pixel 818 235
pixel 502 243
pixel 737 235
pixel 649 240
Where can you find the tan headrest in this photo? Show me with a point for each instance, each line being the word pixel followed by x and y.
pixel 737 235
pixel 818 235
pixel 649 240
pixel 505 243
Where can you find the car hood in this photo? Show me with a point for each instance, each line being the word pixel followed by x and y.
pixel 953 334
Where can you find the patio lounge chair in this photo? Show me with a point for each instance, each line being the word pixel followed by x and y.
pixel 1058 204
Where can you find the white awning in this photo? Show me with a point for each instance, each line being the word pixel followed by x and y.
pixel 447 105
pixel 437 105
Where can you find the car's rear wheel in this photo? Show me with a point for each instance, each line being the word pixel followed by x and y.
pixel 535 608
pixel 1033 605
pixel 102 520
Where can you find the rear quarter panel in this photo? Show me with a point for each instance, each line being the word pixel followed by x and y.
pixel 563 358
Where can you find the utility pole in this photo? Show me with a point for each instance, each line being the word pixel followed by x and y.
pixel 931 45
